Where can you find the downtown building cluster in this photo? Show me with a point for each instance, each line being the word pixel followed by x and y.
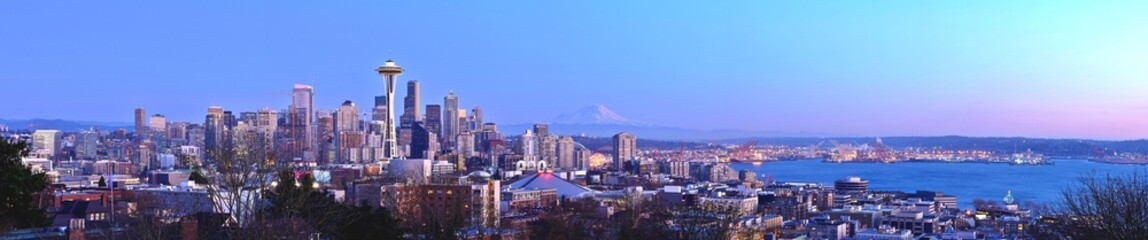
pixel 439 163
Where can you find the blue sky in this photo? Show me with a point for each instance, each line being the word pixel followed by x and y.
pixel 982 68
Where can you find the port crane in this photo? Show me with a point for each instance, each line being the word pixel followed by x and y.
pixel 742 152
pixel 813 149
pixel 883 152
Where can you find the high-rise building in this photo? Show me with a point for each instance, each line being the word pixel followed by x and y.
pixel 158 124
pixel 347 136
pixel 465 142
pixel 302 115
pixel 390 73
pixel 476 119
pixel 404 141
pixel 326 135
pixel 303 101
pixel 424 143
pixel 410 105
pixel 213 128
pixel 450 123
pixel 528 145
pixel 566 158
pixel 541 129
pixel 347 117
pixel 216 111
pixel 144 155
pixel 433 120
pixel 48 141
pixel 86 142
pixel 582 157
pixel 548 149
pixel 625 149
pixel 175 135
pixel 267 118
pixel 484 137
pixel 379 112
pixel 229 126
pixel 462 119
pixel 141 124
pixel 229 120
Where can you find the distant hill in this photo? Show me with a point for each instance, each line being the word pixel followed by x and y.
pixel 600 121
pixel 1054 147
pixel 60 124
pixel 605 144
pixel 649 131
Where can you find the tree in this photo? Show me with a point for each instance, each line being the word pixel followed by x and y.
pixel 557 227
pixel 239 169
pixel 1105 207
pixel 292 199
pixel 102 182
pixel 198 178
pixel 373 223
pixel 704 221
pixel 19 189
pixel 640 218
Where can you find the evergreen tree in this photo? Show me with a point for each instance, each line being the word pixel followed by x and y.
pixel 19 187
pixel 102 183
pixel 198 178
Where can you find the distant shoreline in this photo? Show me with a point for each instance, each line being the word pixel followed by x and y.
pixel 1049 162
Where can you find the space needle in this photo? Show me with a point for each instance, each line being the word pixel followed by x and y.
pixel 390 73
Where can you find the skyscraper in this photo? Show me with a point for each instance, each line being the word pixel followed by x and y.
pixel 229 124
pixel 325 135
pixel 86 144
pixel 301 115
pixel 347 117
pixel 229 120
pixel 410 105
pixel 303 101
pixel 625 149
pixel 450 123
pixel 379 112
pixel 433 120
pixel 476 119
pixel 141 122
pixel 213 127
pixel 424 143
pixel 465 142
pixel 390 73
pixel 548 149
pixel 346 130
pixel 488 134
pixel 566 151
pixel 528 146
pixel 158 124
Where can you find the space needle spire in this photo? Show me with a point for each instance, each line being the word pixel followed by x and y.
pixel 390 73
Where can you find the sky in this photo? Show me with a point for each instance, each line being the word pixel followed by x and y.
pixel 1072 69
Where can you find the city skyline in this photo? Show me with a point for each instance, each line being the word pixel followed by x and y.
pixel 587 120
pixel 1054 70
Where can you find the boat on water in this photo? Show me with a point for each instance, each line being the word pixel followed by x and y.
pixel 1028 158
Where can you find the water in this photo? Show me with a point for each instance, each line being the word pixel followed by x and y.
pixel 968 181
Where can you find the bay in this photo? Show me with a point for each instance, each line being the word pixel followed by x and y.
pixel 968 181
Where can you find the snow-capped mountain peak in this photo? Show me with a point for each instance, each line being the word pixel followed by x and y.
pixel 596 114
